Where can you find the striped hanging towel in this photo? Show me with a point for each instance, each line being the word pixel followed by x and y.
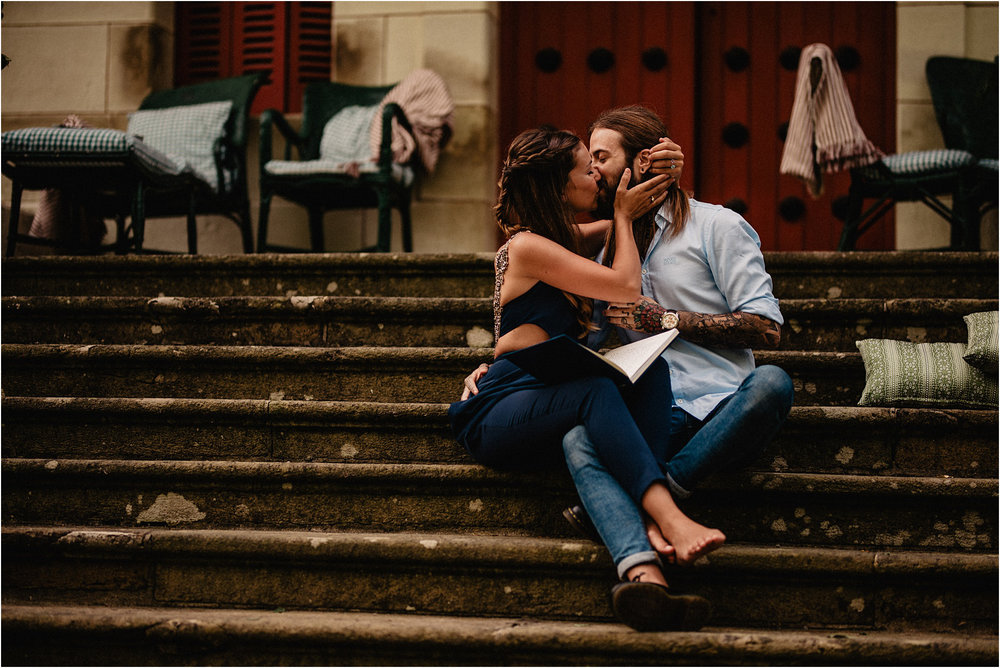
pixel 823 133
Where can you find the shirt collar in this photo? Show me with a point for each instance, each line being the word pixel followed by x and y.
pixel 661 222
pixel 661 217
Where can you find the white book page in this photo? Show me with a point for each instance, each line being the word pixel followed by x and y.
pixel 635 357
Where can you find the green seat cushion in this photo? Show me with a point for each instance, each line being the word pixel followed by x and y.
pixel 982 350
pixel 344 149
pixel 87 147
pixel 921 162
pixel 900 373
pixel 402 174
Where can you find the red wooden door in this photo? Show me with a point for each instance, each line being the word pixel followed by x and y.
pixel 562 63
pixel 715 72
pixel 747 74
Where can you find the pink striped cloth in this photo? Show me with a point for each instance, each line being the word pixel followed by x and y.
pixel 823 133
pixel 58 219
pixel 428 106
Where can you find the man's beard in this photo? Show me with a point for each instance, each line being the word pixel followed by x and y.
pixel 605 200
pixel 606 195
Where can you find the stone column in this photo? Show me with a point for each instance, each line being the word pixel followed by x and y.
pixel 925 29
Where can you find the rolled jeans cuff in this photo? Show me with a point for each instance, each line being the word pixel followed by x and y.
pixel 676 490
pixel 632 560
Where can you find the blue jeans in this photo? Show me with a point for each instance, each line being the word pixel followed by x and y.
pixel 731 436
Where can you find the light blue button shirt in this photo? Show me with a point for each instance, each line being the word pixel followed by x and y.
pixel 713 266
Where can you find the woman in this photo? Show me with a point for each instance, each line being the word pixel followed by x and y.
pixel 544 288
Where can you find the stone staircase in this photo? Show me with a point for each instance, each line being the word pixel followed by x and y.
pixel 246 460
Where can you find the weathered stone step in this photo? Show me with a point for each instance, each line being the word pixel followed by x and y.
pixel 345 274
pixel 291 321
pixel 759 507
pixel 61 634
pixel 811 324
pixel 538 578
pixel 829 324
pixel 897 441
pixel 428 374
pixel 796 275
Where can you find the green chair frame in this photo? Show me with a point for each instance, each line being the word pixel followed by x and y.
pixel 323 192
pixel 232 200
pixel 115 186
pixel 967 108
pixel 964 93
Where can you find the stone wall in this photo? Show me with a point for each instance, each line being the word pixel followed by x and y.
pixel 379 43
pixel 94 59
pixel 925 29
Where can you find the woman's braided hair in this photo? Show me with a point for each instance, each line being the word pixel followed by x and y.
pixel 532 183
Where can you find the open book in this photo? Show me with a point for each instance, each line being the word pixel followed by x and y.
pixel 561 358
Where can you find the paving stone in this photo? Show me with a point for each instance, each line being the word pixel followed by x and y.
pixel 437 573
pixel 79 635
pixel 796 275
pixel 757 507
pixel 811 324
pixel 834 439
pixel 369 373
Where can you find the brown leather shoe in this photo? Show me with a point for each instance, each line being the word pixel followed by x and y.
pixel 646 606
pixel 580 520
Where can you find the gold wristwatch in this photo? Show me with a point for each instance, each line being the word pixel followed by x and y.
pixel 669 320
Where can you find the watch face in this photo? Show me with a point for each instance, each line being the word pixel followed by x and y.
pixel 669 320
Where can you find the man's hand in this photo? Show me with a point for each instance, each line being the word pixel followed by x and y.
pixel 642 315
pixel 470 387
pixel 667 158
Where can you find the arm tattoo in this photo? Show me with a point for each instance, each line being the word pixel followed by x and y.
pixel 729 330
pixel 646 316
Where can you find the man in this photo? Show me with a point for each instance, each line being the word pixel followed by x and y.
pixel 703 274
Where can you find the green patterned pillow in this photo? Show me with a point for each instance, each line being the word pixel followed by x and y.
pixel 900 373
pixel 983 332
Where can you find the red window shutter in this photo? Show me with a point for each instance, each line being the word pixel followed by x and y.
pixel 259 32
pixel 290 41
pixel 311 48
pixel 201 40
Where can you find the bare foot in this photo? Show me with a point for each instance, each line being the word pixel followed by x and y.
pixel 658 542
pixel 690 540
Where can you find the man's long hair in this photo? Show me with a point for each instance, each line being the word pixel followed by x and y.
pixel 640 129
pixel 532 185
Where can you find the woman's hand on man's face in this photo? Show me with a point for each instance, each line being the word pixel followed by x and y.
pixel 642 198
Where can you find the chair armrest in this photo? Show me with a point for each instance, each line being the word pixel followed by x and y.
pixel 390 111
pixel 273 117
pixel 229 164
